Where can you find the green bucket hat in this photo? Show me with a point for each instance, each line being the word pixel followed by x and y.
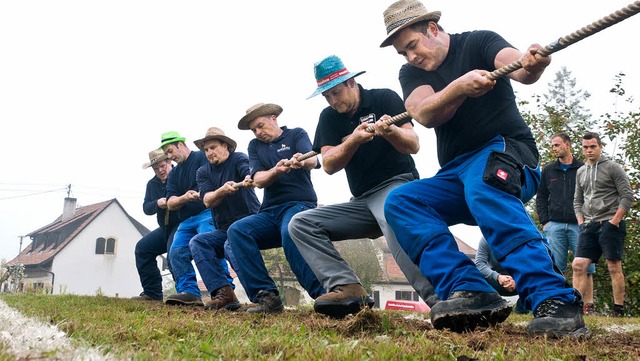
pixel 170 137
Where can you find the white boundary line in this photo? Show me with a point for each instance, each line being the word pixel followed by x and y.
pixel 28 338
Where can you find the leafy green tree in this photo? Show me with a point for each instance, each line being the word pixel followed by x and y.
pixel 361 255
pixel 561 110
pixel 622 129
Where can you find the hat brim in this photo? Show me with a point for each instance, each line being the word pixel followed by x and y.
pixel 223 138
pixel 266 109
pixel 173 140
pixel 149 164
pixel 433 16
pixel 328 85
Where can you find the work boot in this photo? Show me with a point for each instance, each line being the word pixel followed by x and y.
pixel 556 318
pixel 268 302
pixel 184 298
pixel 617 311
pixel 145 297
pixel 589 309
pixel 343 300
pixel 223 297
pixel 466 310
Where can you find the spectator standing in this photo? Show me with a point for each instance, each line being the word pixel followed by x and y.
pixel 554 205
pixel 602 199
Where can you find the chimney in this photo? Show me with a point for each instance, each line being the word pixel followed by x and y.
pixel 69 208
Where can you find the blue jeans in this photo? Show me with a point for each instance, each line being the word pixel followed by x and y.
pixel 265 230
pixel 180 254
pixel 561 236
pixel 420 213
pixel 150 246
pixel 206 249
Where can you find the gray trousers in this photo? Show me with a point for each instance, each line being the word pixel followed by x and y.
pixel 314 230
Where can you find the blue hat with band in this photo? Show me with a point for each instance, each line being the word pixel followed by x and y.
pixel 329 73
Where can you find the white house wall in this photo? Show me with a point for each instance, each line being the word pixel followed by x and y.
pixel 79 270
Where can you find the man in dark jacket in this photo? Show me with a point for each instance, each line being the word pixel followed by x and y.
pixel 554 204
pixel 158 241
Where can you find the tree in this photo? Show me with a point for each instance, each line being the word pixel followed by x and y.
pixel 361 255
pixel 622 128
pixel 560 110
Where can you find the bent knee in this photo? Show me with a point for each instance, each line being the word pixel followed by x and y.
pixel 580 265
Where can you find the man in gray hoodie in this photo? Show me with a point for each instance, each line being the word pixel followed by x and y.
pixel 603 197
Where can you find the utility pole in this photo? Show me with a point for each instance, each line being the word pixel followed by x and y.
pixel 15 284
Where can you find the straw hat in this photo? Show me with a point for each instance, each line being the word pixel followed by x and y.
pixel 403 13
pixel 155 156
pixel 330 72
pixel 258 110
pixel 216 133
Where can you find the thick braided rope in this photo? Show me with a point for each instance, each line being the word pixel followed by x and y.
pixel 574 37
pixel 557 45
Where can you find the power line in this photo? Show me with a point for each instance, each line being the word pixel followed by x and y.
pixel 33 194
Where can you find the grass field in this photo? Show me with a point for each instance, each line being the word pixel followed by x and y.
pixel 142 330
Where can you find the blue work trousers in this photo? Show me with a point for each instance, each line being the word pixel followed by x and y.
pixel 420 213
pixel 265 230
pixel 207 249
pixel 180 254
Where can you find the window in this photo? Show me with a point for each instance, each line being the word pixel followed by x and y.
pixel 407 296
pixel 105 245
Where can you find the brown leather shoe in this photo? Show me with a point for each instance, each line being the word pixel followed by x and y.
pixel 223 297
pixel 343 300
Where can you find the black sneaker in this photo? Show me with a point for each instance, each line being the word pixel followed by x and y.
pixel 184 298
pixel 466 310
pixel 343 300
pixel 556 318
pixel 145 297
pixel 617 311
pixel 268 302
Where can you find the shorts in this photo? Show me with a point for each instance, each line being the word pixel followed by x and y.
pixel 598 238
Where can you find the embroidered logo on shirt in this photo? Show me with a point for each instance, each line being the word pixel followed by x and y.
pixel 370 119
pixel 502 175
pixel 283 147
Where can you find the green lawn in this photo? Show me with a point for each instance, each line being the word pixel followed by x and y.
pixel 138 330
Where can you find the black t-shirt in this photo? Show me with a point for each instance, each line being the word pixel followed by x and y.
pixel 477 120
pixel 376 161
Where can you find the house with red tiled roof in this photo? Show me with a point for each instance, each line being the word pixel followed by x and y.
pixel 87 250
pixel 393 285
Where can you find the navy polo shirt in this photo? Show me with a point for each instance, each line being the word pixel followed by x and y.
pixel 293 186
pixel 233 207
pixel 183 178
pixel 156 190
pixel 376 161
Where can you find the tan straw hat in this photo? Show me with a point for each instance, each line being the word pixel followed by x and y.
pixel 258 110
pixel 216 133
pixel 403 13
pixel 155 156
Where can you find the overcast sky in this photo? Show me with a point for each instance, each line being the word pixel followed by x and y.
pixel 87 87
